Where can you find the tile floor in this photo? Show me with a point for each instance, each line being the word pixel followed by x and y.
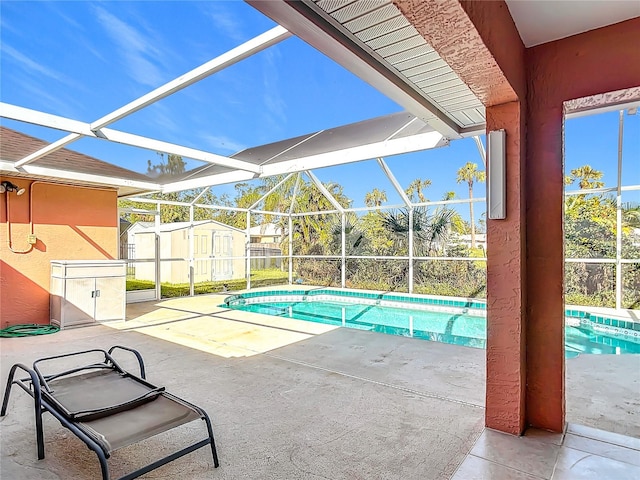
pixel 581 453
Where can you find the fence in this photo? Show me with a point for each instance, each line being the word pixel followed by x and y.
pixel 267 257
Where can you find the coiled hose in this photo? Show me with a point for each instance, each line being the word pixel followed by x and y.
pixel 27 329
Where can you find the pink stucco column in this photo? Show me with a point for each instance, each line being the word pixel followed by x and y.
pixel 506 284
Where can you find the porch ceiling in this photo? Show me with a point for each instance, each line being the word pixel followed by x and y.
pixel 544 21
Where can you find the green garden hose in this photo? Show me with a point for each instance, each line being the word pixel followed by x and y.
pixel 27 329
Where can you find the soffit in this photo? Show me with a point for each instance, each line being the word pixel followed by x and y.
pixel 381 30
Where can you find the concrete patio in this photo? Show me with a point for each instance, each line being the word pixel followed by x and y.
pixel 297 400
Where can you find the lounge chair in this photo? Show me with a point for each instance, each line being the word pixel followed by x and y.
pixel 106 407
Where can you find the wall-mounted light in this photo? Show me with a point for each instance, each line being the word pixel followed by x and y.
pixel 496 175
pixel 6 186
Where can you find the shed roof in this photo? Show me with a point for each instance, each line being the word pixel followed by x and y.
pixel 172 227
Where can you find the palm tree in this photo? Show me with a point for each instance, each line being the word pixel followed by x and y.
pixel 416 188
pixel 431 235
pixel 315 230
pixel 589 178
pixel 469 173
pixel 430 232
pixel 375 197
pixel 458 225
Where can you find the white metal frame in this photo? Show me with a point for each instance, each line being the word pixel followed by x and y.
pixel 337 209
pixel 325 39
pixel 96 129
pixel 239 170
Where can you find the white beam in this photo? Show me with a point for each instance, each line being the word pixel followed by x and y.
pixel 308 23
pixel 481 151
pixel 415 143
pixel 270 191
pixel 138 210
pixel 231 57
pixel 35 117
pixel 392 178
pixel 325 192
pixel 200 195
pixel 295 193
pixel 166 147
pixel 208 181
pixel 52 147
pixel 387 148
pixel 83 129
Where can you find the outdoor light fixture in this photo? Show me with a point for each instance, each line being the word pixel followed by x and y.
pixel 496 175
pixel 7 186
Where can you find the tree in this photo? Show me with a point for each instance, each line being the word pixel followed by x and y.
pixel 589 178
pixel 430 232
pixel 171 165
pixel 375 198
pixel 469 173
pixel 430 236
pixel 458 225
pixel 174 165
pixel 630 216
pixel 313 232
pixel 415 189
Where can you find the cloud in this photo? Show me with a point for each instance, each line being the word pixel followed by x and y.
pixel 161 117
pixel 223 143
pixel 76 32
pixel 224 20
pixel 137 49
pixel 6 26
pixel 55 8
pixel 32 65
pixel 273 101
pixel 67 106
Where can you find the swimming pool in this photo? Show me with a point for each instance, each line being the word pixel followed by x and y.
pixel 439 319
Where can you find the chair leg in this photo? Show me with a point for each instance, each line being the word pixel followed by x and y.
pixel 37 401
pixel 214 452
pixel 7 392
pixel 104 467
pixel 39 432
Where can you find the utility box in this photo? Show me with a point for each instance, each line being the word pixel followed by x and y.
pixel 83 292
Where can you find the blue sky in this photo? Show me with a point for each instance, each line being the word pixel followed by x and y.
pixel 84 59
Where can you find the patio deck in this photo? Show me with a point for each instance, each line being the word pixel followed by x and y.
pixel 296 400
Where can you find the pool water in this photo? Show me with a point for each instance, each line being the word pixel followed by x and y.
pixel 458 329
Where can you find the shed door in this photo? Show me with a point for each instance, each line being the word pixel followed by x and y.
pixel 222 251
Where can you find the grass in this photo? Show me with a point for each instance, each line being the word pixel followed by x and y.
pixel 260 278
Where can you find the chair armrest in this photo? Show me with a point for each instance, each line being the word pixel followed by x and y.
pixel 136 353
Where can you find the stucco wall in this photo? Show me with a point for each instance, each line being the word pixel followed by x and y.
pixel 70 223
pixel 595 62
